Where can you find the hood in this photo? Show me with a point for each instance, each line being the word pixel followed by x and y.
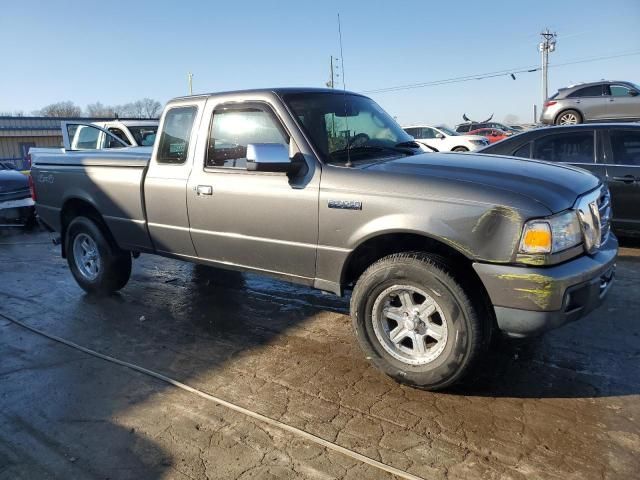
pixel 555 186
pixel 12 180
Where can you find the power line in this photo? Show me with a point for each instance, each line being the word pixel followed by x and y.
pixel 498 73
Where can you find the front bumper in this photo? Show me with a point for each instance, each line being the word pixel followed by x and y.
pixel 528 301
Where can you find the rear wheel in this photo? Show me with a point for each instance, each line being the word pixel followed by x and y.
pixel 97 265
pixel 461 149
pixel 569 117
pixel 415 322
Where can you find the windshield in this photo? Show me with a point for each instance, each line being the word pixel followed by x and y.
pixel 145 136
pixel 347 127
pixel 447 130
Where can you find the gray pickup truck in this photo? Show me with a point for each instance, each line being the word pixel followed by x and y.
pixel 323 188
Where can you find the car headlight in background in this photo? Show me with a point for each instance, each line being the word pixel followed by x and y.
pixel 551 235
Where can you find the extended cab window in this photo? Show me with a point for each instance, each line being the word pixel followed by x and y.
pixel 233 128
pixel 174 140
pixel 575 147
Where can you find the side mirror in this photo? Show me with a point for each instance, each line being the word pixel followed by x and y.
pixel 633 93
pixel 268 157
pixel 440 136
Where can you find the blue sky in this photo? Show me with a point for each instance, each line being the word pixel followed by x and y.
pixel 118 51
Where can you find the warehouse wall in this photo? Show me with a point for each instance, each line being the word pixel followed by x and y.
pixel 11 148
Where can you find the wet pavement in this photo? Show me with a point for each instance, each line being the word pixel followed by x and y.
pixel 565 405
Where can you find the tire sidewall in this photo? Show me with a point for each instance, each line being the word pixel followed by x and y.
pixel 88 227
pixel 575 112
pixel 449 365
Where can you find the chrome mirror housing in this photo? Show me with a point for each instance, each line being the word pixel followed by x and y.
pixel 268 157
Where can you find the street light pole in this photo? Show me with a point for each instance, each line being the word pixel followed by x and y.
pixel 190 77
pixel 548 44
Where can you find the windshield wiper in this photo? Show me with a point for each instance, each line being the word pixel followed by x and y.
pixel 364 149
pixel 409 144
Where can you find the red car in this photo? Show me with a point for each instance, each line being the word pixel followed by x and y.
pixel 492 134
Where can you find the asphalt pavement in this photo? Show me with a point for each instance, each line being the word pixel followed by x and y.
pixel 562 406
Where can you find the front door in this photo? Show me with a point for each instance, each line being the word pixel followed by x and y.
pixel 263 221
pixel 623 175
pixel 624 103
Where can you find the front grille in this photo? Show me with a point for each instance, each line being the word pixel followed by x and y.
pixel 604 208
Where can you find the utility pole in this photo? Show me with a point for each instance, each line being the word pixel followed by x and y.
pixel 190 77
pixel 548 44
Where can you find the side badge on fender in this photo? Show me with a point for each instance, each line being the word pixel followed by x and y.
pixel 345 204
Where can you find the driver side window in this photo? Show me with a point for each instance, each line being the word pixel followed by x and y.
pixel 233 128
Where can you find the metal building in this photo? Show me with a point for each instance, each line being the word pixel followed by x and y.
pixel 18 134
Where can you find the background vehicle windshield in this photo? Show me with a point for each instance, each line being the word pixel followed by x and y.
pixel 447 130
pixel 335 121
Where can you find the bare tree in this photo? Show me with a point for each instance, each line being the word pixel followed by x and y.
pixel 15 113
pixel 151 108
pixel 98 110
pixel 60 109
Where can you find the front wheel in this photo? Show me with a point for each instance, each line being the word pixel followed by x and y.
pixel 461 149
pixel 415 322
pixel 97 266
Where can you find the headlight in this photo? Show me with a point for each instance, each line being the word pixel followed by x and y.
pixel 478 142
pixel 551 235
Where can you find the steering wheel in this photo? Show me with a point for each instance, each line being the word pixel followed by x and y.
pixel 359 140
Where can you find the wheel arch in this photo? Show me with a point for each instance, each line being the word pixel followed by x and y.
pixel 76 206
pixel 381 244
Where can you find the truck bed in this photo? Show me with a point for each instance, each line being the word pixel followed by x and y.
pixel 110 180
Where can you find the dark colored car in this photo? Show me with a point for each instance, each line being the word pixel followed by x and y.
pixel 469 126
pixel 16 205
pixel 610 151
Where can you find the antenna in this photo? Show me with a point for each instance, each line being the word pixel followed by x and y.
pixel 344 93
pixel 190 78
pixel 344 85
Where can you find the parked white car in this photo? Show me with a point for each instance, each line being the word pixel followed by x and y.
pixel 446 140
pixel 137 133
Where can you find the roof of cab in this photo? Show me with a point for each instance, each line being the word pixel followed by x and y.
pixel 278 91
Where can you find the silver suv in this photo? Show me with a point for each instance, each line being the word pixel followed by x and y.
pixel 596 101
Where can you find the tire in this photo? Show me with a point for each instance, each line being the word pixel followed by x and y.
pixel 460 149
pixel 422 276
pixel 85 240
pixel 569 117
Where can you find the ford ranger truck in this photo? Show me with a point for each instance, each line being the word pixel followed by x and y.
pixel 323 188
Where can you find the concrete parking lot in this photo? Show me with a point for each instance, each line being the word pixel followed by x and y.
pixel 562 406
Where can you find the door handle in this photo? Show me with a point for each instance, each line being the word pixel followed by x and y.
pixel 204 190
pixel 625 179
